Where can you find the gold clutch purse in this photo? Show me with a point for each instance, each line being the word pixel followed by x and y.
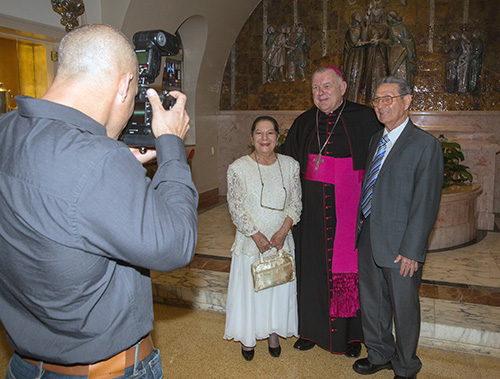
pixel 273 270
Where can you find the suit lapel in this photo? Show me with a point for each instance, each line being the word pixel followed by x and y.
pixel 373 147
pixel 403 140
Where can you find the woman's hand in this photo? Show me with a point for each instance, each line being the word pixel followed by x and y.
pixel 278 239
pixel 261 241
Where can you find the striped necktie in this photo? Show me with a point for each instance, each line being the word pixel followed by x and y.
pixel 366 204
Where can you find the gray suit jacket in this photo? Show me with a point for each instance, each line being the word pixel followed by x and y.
pixel 406 196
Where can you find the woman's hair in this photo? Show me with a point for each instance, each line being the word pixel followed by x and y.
pixel 265 118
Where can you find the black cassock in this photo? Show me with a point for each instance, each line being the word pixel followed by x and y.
pixel 314 234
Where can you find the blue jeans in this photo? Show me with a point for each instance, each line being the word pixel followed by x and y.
pixel 149 368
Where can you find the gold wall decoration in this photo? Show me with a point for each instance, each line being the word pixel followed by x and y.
pixel 423 32
pixel 69 10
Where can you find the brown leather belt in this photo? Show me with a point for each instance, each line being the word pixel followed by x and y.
pixel 110 368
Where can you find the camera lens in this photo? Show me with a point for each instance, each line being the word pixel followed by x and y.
pixel 161 39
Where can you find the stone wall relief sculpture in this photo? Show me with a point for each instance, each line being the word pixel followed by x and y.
pixel 287 53
pixel 464 58
pixel 402 52
pixel 464 61
pixel 476 60
pixel 377 65
pixel 452 50
pixel 376 46
pixel 354 56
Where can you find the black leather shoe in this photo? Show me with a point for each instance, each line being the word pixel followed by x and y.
pixel 303 345
pixel 406 377
pixel 275 351
pixel 248 354
pixel 364 367
pixel 353 349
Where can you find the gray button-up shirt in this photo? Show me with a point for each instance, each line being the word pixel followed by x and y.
pixel 80 227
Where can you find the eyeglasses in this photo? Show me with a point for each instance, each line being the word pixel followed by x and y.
pixel 262 188
pixel 386 100
pixel 270 207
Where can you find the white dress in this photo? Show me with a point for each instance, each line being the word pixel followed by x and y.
pixel 254 315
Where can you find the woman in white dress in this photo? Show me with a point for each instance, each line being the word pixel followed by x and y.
pixel 264 199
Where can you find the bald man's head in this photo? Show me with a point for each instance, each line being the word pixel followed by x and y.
pixel 96 53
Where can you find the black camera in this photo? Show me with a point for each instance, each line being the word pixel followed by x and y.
pixel 150 46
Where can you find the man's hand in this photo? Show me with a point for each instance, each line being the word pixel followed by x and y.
pixel 408 266
pixel 149 155
pixel 174 121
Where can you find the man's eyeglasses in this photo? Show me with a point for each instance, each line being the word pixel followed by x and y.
pixel 386 100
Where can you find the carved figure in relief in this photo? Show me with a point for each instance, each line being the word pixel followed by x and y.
pixel 300 55
pixel 376 54
pixel 354 56
pixel 402 53
pixel 476 60
pixel 291 35
pixel 464 62
pixel 452 50
pixel 276 54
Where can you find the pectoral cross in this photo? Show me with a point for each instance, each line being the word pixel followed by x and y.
pixel 318 160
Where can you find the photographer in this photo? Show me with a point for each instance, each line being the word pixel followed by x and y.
pixel 81 224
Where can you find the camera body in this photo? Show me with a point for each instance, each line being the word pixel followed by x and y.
pixel 150 46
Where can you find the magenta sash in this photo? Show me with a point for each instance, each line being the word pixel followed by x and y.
pixel 339 171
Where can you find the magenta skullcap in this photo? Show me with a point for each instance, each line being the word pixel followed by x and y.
pixel 336 70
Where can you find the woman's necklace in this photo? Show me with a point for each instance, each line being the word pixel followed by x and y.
pixel 262 183
pixel 318 160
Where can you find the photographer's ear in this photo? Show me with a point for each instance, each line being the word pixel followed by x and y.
pixel 126 86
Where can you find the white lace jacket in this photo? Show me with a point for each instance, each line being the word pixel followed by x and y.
pixel 244 193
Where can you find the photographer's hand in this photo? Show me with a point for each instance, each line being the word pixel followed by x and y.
pixel 149 155
pixel 174 121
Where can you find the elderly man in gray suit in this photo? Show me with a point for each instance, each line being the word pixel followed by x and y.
pixel 398 208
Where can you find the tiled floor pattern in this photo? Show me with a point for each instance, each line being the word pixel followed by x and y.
pixel 460 292
pixel 461 303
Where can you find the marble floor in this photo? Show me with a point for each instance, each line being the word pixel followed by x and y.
pixel 460 308
pixel 460 291
pixel 191 346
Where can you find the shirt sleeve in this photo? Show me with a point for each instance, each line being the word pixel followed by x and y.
pixel 124 215
pixel 293 208
pixel 235 200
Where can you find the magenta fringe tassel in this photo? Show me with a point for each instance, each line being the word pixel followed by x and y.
pixel 345 297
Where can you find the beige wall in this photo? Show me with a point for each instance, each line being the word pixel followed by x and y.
pixel 223 20
pixel 211 26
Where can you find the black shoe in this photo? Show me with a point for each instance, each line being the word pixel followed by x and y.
pixel 353 349
pixel 364 367
pixel 275 351
pixel 406 377
pixel 302 344
pixel 248 354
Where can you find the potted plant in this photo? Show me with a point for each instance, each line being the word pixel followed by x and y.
pixel 456 223
pixel 455 173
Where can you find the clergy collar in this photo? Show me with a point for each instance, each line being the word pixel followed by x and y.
pixel 336 110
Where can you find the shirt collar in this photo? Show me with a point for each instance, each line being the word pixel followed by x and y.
pixel 394 134
pixel 40 108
